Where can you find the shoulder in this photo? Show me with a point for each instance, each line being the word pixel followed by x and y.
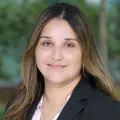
pixel 105 106
pixel 104 99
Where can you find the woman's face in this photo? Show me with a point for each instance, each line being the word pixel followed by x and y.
pixel 58 53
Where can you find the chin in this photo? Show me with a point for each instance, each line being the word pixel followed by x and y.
pixel 56 81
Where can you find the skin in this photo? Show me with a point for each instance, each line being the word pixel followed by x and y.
pixel 58 57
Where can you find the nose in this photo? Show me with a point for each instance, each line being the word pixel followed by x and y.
pixel 57 54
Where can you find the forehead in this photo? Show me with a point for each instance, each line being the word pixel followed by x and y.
pixel 58 27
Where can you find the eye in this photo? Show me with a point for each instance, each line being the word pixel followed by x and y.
pixel 69 45
pixel 46 43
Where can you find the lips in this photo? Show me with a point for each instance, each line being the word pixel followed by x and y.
pixel 56 66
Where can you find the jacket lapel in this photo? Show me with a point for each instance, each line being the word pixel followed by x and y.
pixel 70 111
pixel 77 101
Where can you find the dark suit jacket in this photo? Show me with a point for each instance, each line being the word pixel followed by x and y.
pixel 86 103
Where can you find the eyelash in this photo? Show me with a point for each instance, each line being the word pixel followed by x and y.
pixel 45 42
pixel 71 45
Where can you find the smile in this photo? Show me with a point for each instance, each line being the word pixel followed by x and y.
pixel 56 66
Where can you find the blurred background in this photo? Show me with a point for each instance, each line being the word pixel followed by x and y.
pixel 17 19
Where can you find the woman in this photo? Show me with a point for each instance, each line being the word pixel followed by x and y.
pixel 63 75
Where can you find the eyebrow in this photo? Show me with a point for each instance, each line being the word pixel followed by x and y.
pixel 45 37
pixel 48 37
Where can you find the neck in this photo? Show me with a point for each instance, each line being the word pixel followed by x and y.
pixel 58 94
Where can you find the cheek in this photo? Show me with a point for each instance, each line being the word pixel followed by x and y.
pixel 76 57
pixel 39 57
pixel 41 54
pixel 76 62
pixel 42 57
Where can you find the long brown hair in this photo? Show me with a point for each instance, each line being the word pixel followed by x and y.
pixel 33 83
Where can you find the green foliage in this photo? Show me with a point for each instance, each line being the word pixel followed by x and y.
pixel 16 25
pixel 114 30
pixel 1 113
pixel 114 47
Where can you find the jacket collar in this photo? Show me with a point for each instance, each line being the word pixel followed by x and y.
pixel 77 101
pixel 75 104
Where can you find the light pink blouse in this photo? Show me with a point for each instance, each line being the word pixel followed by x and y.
pixel 37 113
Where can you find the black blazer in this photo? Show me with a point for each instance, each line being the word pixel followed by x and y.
pixel 86 103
